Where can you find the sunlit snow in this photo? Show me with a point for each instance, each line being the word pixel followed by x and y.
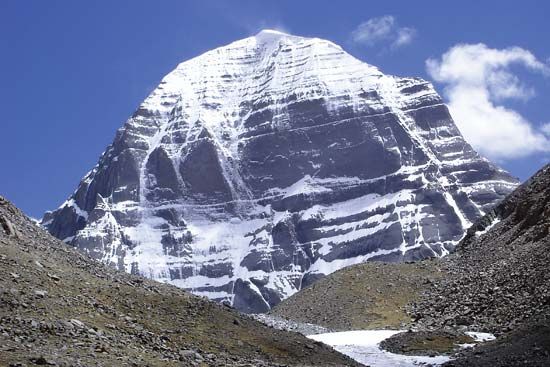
pixel 362 345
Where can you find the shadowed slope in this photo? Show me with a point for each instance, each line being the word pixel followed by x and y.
pixel 59 306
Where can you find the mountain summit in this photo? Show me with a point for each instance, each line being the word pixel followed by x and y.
pixel 256 168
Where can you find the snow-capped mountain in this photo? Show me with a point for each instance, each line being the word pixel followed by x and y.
pixel 257 167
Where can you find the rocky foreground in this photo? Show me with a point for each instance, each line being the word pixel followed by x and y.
pixel 499 276
pixel 498 280
pixel 60 308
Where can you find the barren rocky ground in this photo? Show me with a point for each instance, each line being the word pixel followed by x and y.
pixel 527 346
pixel 60 308
pixel 499 276
pixel 365 296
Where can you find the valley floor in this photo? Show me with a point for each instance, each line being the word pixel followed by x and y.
pixel 364 347
pixel 369 346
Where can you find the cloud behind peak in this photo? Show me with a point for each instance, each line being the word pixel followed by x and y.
pixel 478 81
pixel 384 29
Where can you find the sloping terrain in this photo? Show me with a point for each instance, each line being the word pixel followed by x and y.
pixel 60 307
pixel 527 346
pixel 256 168
pixel 365 296
pixel 498 280
pixel 500 273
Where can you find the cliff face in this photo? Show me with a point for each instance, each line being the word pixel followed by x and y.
pixel 256 168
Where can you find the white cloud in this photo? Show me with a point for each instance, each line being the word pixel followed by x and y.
pixel 383 29
pixel 546 128
pixel 478 79
pixel 255 27
pixel 404 36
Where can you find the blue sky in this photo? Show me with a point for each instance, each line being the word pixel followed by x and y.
pixel 71 72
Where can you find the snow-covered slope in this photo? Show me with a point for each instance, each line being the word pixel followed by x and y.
pixel 257 167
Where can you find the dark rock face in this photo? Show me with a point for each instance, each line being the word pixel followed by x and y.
pixel 160 166
pixel 202 173
pixel 258 167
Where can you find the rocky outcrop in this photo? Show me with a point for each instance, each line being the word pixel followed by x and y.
pixel 259 167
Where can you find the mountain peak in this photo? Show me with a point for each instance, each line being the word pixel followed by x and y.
pixel 257 167
pixel 269 36
pixel 271 32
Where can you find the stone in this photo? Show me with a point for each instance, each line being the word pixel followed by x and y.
pixel 54 277
pixel 77 323
pixel 43 361
pixel 40 293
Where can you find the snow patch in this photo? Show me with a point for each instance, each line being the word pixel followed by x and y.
pixel 72 204
pixel 493 223
pixel 481 337
pixel 363 346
